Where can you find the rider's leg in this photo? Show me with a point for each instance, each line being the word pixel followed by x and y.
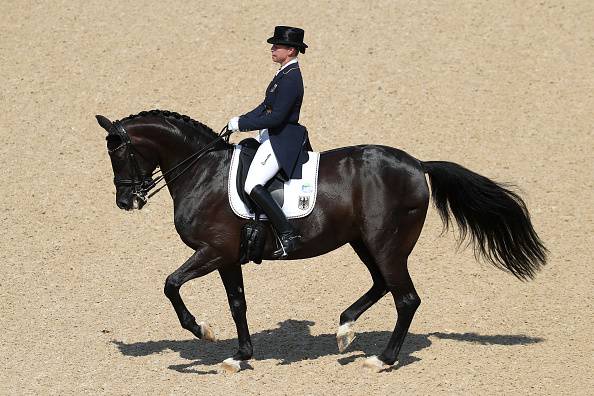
pixel 263 168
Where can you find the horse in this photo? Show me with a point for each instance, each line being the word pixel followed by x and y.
pixel 373 197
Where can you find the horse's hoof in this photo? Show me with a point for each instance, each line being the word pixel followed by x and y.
pixel 373 363
pixel 344 336
pixel 207 333
pixel 231 365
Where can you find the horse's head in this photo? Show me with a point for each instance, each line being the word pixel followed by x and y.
pixel 132 168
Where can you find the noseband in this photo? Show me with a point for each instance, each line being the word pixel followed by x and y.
pixel 142 183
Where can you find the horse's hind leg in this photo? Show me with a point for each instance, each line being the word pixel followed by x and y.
pixel 390 251
pixel 407 301
pixel 202 262
pixel 345 334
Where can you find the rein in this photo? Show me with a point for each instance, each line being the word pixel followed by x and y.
pixel 143 184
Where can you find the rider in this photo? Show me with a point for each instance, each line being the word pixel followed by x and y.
pixel 282 138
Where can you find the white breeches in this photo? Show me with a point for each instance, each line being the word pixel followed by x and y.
pixel 264 166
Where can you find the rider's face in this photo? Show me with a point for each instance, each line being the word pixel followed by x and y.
pixel 281 53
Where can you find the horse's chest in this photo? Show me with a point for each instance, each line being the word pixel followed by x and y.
pixel 194 225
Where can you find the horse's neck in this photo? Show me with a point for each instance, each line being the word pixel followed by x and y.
pixel 199 178
pixel 174 147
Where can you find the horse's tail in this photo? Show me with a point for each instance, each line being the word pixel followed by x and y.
pixel 496 218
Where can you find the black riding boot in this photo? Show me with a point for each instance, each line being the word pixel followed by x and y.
pixel 289 238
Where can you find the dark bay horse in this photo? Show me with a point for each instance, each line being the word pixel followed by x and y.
pixel 373 197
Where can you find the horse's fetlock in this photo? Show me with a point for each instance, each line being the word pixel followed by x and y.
pixel 346 317
pixel 245 352
pixel 387 358
pixel 189 322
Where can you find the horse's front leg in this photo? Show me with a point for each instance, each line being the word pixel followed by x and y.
pixel 233 280
pixel 202 262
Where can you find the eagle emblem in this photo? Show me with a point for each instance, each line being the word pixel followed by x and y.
pixel 303 202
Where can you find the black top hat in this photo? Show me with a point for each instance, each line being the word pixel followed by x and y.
pixel 287 35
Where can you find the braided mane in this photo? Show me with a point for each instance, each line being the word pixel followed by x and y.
pixel 172 114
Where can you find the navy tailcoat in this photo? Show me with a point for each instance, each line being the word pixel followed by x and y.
pixel 279 113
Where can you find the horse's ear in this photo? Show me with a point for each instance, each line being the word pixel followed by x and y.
pixel 104 122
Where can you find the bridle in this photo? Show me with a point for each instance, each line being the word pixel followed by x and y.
pixel 143 183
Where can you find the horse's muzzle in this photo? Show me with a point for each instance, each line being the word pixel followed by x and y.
pixel 130 203
pixel 125 203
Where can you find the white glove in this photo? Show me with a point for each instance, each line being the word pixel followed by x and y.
pixel 233 124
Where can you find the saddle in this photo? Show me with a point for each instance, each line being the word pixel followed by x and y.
pixel 296 197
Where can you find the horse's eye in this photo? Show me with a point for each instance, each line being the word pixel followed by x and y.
pixel 113 142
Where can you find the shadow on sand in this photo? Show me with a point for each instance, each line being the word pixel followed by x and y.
pixel 292 342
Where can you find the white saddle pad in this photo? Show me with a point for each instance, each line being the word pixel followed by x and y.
pixel 300 194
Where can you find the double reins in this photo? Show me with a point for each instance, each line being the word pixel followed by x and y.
pixel 143 184
pixel 192 159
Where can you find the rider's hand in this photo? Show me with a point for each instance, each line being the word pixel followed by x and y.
pixel 233 124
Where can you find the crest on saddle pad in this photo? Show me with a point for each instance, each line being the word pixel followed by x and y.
pixel 303 202
pixel 297 197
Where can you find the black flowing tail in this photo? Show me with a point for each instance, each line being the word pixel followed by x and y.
pixel 496 218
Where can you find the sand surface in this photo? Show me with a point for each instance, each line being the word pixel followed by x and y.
pixel 504 88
